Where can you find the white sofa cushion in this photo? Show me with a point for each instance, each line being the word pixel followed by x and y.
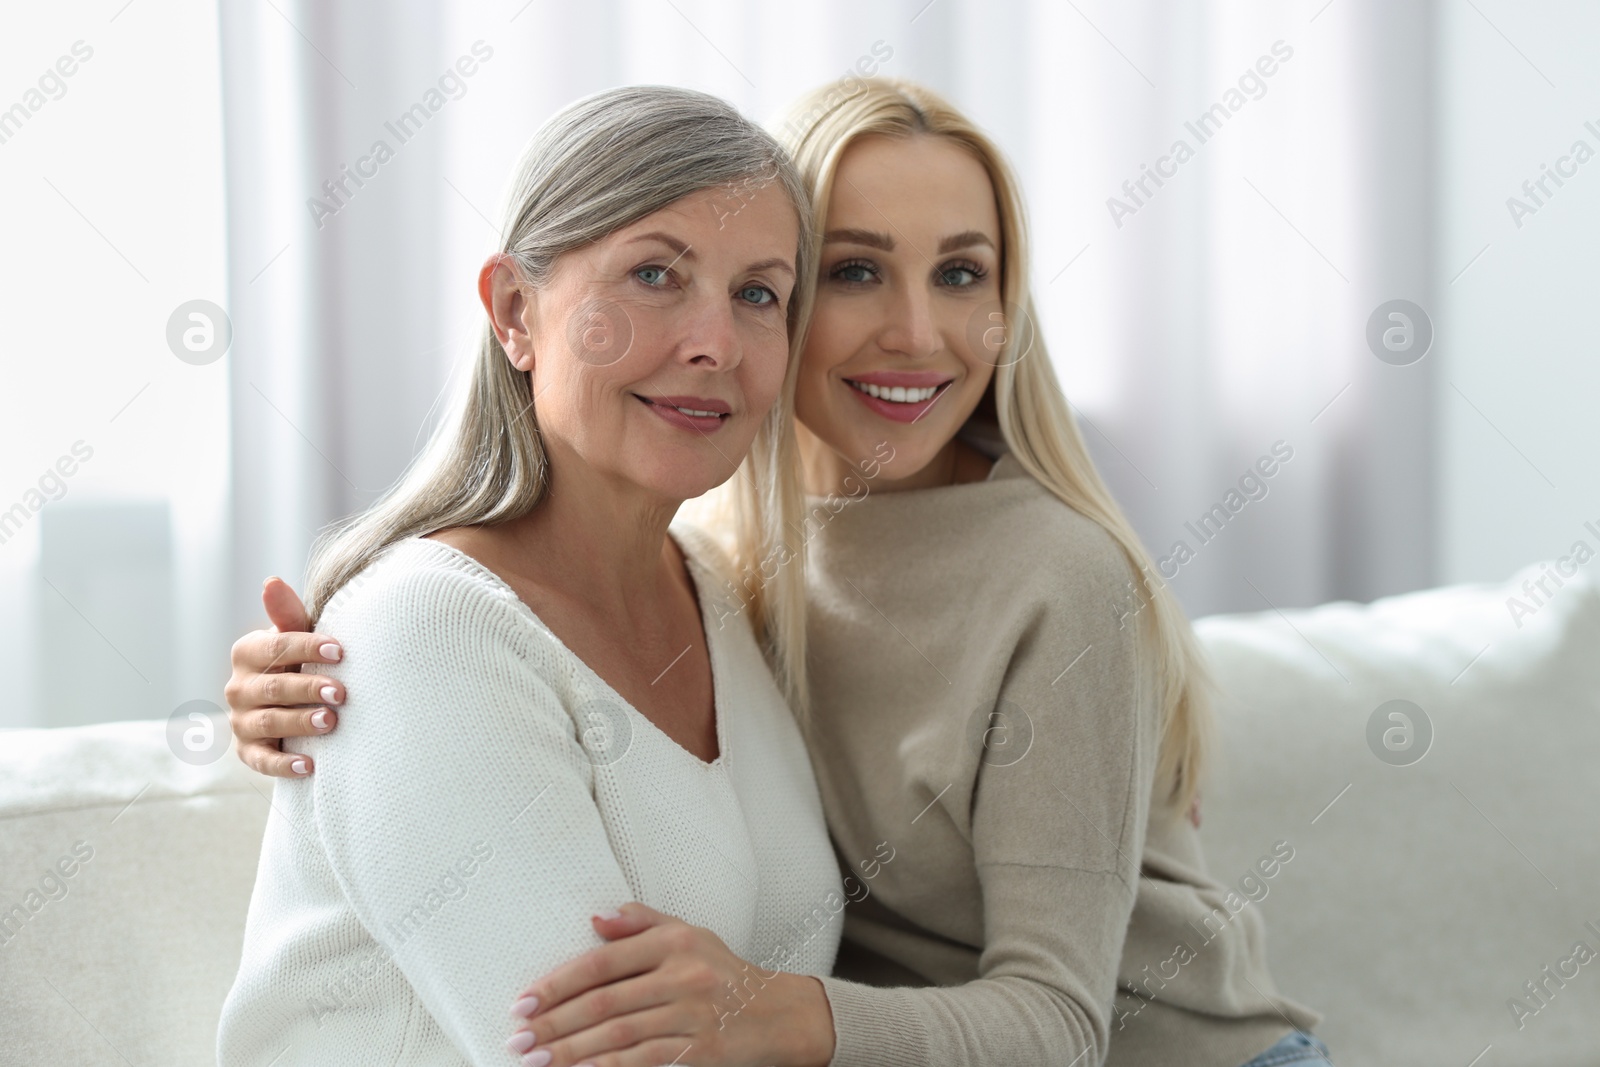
pixel 1424 898
pixel 130 963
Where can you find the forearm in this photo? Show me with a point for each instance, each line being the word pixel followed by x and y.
pixel 1044 982
pixel 992 1023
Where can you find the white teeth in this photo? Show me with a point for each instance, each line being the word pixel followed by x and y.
pixel 698 414
pixel 897 395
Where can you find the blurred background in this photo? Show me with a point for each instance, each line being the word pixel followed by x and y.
pixel 214 340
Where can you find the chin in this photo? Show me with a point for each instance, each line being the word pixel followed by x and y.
pixel 915 446
pixel 684 477
pixel 907 462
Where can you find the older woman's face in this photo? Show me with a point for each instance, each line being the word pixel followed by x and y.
pixel 657 351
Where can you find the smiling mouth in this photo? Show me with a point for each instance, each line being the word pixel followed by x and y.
pixel 685 413
pixel 898 394
pixel 689 411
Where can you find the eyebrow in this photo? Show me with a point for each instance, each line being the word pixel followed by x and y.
pixel 860 237
pixel 686 251
pixel 964 239
pixel 773 264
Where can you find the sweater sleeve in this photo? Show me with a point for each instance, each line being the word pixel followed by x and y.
pixel 1056 838
pixel 454 803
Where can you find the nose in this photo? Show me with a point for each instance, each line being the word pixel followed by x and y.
pixel 711 338
pixel 910 329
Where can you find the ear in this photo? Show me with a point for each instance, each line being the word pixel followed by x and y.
pixel 510 307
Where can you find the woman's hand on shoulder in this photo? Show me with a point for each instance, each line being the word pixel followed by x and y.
pixel 662 991
pixel 268 694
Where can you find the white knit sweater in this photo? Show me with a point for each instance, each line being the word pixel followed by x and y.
pixel 485 793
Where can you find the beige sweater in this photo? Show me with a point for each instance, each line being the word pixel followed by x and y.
pixel 985 738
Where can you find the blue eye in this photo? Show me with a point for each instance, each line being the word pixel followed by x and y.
pixel 959 276
pixel 651 275
pixel 854 273
pixel 758 295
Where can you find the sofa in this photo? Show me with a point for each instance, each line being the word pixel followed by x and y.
pixel 1432 760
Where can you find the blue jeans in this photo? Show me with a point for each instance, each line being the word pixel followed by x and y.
pixel 1296 1048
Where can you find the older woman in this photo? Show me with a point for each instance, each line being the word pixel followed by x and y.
pixel 544 717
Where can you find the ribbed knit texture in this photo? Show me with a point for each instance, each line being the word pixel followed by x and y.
pixel 981 710
pixel 484 794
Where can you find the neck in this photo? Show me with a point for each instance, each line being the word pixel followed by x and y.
pixel 597 539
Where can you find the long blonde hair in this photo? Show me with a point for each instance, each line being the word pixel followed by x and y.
pixel 598 165
pixel 1034 417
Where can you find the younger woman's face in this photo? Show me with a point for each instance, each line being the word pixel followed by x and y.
pixel 895 360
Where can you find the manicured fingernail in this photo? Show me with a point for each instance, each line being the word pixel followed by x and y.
pixel 330 694
pixel 521 1041
pixel 525 1007
pixel 609 913
pixel 319 719
pixel 330 651
pixel 536 1059
pixel 298 766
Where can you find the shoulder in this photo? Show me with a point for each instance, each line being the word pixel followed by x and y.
pixel 425 627
pixel 422 587
pixel 1042 544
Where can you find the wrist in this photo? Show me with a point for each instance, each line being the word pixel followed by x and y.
pixel 812 1043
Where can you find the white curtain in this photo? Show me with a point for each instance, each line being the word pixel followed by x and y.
pixel 1226 313
pixel 1229 311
